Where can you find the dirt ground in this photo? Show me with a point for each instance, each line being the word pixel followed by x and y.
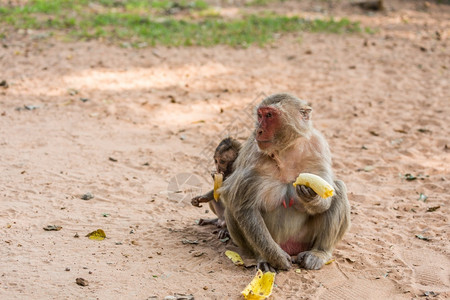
pixel 142 145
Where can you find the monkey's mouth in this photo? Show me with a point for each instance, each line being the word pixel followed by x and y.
pixel 215 172
pixel 263 144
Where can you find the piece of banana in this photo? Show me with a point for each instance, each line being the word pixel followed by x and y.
pixel 218 179
pixel 317 183
pixel 235 257
pixel 260 287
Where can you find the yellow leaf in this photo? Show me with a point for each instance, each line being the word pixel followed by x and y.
pixel 218 179
pixel 235 258
pixel 260 287
pixel 329 262
pixel 98 235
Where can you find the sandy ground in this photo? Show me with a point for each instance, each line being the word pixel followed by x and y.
pixel 148 128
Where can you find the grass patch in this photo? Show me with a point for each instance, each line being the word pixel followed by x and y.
pixel 161 22
pixel 262 2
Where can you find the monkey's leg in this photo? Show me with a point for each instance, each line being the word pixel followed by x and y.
pixel 327 230
pixel 218 210
pixel 236 233
pixel 238 238
pixel 257 236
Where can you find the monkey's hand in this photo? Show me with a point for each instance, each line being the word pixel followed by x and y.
pixel 202 199
pixel 280 260
pixel 312 202
pixel 317 183
pixel 199 199
pixel 306 193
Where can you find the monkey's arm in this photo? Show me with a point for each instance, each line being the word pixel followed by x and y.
pixel 202 198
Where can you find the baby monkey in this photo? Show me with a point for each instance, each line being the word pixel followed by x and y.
pixel 226 153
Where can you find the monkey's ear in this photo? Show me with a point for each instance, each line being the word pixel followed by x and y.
pixel 306 112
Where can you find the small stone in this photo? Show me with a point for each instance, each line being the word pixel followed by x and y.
pixel 4 84
pixel 81 281
pixel 30 107
pixel 67 269
pixel 87 196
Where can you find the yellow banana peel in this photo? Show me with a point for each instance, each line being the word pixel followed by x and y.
pixel 260 287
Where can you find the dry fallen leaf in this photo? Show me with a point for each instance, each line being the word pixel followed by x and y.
pixel 434 208
pixel 235 258
pixel 186 241
pixel 410 177
pixel 260 287
pixel 421 237
pixel 225 239
pixel 97 235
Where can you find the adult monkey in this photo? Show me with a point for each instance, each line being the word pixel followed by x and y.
pixel 265 214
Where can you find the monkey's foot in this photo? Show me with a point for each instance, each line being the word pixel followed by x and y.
pixel 308 260
pixel 222 233
pixel 203 222
pixel 265 267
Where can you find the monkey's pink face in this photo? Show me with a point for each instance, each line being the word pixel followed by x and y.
pixel 268 125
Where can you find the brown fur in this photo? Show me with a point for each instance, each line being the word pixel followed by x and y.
pixel 224 157
pixel 262 180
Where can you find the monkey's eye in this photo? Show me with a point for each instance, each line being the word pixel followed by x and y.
pixel 269 115
pixel 259 116
pixel 215 160
pixel 221 161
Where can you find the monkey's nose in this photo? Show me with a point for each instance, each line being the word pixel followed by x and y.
pixel 260 131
